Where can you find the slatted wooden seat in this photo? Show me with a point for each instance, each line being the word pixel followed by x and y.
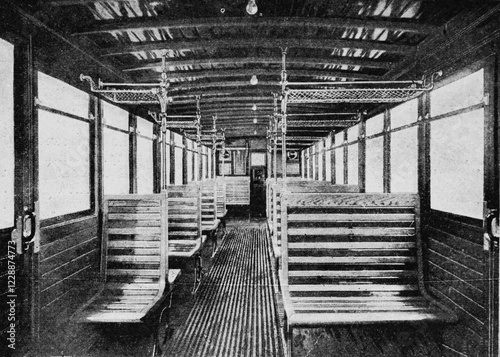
pixel 209 220
pixel 296 186
pixel 221 200
pixel 353 259
pixel 134 261
pixel 184 221
pixel 237 190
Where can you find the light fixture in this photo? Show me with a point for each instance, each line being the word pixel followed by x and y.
pixel 254 80
pixel 252 7
pixel 255 120
pixel 254 107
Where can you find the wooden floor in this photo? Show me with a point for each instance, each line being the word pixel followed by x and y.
pixel 234 312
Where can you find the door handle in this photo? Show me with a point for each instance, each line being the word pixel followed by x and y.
pixel 488 226
pixel 29 227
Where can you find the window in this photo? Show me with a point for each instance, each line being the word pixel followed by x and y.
pixel 178 159
pixel 457 147
pixel 63 148
pixel 404 160
pixel 145 176
pixel 115 150
pixel 328 159
pixel 374 166
pixel 189 159
pixel 7 134
pixel 404 148
pixel 258 159
pixel 352 164
pixel 463 93
pixel 404 114
pixel 375 125
pixel 339 159
pixel 320 156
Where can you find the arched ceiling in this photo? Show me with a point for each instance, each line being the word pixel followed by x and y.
pixel 213 47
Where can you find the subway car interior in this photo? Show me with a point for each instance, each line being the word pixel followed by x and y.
pixel 249 178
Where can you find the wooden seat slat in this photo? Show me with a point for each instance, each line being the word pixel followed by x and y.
pixel 133 244
pixel 354 273
pixel 135 230
pixel 352 260
pixel 372 231
pixel 353 245
pixel 352 287
pixel 359 217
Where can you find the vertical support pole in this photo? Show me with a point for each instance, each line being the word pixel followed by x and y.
pixel 387 152
pixel 157 159
pixel 132 153
pixel 184 161
pixel 362 152
pixel 172 159
pixel 346 158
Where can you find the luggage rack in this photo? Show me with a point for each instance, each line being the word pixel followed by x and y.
pixel 371 92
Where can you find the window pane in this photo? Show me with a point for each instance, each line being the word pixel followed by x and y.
pixel 339 138
pixel 460 94
pixel 209 159
pixel 339 166
pixel 178 166
pixel 352 133
pixel 56 94
pixel 404 160
pixel 114 116
pixel 145 128
pixel 145 175
pixel 302 163
pixel 352 164
pixel 404 114
pixel 375 125
pixel 374 165
pixel 457 161
pixel 115 162
pixel 64 165
pixel 328 160
pixel 189 160
pixel 7 134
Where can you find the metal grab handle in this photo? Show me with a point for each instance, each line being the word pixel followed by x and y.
pixel 29 215
pixel 488 227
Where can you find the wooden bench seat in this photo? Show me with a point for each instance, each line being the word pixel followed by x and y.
pixel 209 221
pixel 184 221
pixel 295 186
pixel 221 200
pixel 136 277
pixel 353 258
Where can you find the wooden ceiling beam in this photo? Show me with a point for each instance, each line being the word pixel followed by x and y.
pixel 201 44
pixel 189 76
pixel 188 87
pixel 269 22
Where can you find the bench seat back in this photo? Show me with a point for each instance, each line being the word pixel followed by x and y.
pixel 134 260
pixel 184 219
pixel 354 258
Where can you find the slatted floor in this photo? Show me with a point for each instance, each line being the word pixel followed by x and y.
pixel 234 313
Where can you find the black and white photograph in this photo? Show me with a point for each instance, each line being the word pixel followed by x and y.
pixel 249 178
